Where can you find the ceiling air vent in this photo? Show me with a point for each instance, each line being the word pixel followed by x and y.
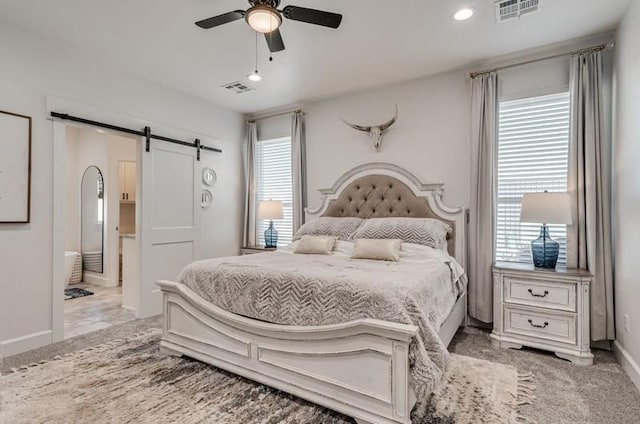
pixel 237 87
pixel 512 9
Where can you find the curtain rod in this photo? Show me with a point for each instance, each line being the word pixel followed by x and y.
pixel 555 56
pixel 276 114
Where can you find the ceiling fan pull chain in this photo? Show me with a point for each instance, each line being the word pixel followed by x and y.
pixel 271 43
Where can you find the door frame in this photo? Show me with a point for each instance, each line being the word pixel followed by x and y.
pixel 59 201
pixel 58 104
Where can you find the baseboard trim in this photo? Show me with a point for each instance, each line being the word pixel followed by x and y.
pixel 25 343
pixel 628 364
pixel 98 279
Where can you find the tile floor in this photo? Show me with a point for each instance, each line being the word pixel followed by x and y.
pixel 101 310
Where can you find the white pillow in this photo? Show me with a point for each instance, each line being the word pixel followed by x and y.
pixel 341 228
pixel 425 231
pixel 315 245
pixel 378 249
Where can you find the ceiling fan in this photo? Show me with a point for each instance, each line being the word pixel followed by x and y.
pixel 265 17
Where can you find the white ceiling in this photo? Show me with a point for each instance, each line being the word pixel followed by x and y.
pixel 379 42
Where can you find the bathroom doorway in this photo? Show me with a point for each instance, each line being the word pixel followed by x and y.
pixel 100 225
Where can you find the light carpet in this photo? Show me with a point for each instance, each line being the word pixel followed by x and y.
pixel 130 381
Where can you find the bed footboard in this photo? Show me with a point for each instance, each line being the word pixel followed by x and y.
pixel 359 368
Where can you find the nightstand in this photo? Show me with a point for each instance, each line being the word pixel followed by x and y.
pixel 250 250
pixel 544 309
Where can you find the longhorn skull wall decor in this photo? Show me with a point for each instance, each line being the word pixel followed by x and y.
pixel 375 132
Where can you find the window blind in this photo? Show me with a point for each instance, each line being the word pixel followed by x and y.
pixel 533 152
pixel 275 182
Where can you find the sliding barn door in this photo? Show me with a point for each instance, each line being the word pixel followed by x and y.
pixel 169 217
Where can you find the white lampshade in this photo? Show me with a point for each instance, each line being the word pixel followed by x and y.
pixel 263 19
pixel 546 208
pixel 270 209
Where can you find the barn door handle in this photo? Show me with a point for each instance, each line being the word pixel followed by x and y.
pixel 538 325
pixel 546 292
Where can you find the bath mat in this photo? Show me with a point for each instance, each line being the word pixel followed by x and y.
pixel 74 292
pixel 131 381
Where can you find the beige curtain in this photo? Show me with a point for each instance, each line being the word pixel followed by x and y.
pixel 299 169
pixel 589 238
pixel 249 237
pixel 484 115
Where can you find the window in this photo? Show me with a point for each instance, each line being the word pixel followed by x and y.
pixel 533 153
pixel 275 182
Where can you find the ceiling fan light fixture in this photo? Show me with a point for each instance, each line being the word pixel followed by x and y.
pixel 263 19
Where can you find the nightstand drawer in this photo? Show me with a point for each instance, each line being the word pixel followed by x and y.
pixel 555 327
pixel 552 295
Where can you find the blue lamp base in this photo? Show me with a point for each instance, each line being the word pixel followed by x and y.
pixel 271 236
pixel 544 250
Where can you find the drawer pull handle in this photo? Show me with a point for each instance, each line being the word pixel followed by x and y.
pixel 538 325
pixel 546 292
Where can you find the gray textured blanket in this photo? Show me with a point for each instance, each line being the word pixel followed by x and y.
pixel 292 289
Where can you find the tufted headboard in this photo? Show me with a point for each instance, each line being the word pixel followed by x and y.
pixel 381 190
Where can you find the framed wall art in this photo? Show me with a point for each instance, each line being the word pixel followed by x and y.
pixel 15 168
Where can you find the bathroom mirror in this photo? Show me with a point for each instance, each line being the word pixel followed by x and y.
pixel 92 217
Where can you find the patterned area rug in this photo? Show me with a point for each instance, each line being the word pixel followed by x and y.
pixel 130 381
pixel 74 292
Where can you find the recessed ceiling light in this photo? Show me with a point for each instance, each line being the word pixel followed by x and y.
pixel 100 131
pixel 255 76
pixel 463 14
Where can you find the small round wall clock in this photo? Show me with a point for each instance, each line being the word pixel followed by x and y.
pixel 209 177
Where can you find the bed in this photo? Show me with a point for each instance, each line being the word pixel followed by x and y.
pixel 363 367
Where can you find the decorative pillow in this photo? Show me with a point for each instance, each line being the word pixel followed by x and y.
pixel 379 250
pixel 425 231
pixel 341 228
pixel 315 245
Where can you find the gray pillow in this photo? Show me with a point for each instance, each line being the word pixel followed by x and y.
pixel 425 231
pixel 341 228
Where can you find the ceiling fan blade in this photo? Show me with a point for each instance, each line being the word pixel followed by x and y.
pixel 274 41
pixel 312 16
pixel 221 19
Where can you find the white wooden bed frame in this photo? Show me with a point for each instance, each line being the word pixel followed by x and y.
pixel 359 368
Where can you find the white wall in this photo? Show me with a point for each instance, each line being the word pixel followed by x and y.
pixel 432 135
pixel 430 138
pixel 274 127
pixel 626 191
pixel 32 69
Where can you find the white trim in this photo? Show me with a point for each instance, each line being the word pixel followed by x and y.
pixel 25 343
pixel 538 92
pixel 628 364
pixel 59 201
pixel 98 279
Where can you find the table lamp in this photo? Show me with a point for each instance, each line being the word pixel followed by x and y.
pixel 270 209
pixel 545 208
